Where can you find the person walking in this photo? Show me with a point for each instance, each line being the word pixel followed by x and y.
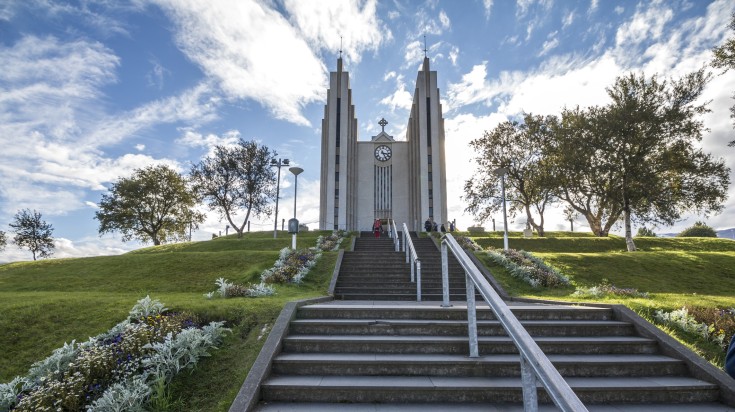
pixel 443 228
pixel 730 359
pixel 377 227
pixel 427 225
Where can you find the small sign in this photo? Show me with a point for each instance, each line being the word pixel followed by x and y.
pixel 293 226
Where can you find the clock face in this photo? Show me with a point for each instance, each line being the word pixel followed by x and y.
pixel 382 153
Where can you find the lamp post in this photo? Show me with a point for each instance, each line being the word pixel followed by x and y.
pixel 501 172
pixel 278 163
pixel 296 172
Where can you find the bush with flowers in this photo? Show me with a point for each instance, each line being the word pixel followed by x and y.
pixel 608 289
pixel 291 266
pixel 114 371
pixel 331 242
pixel 532 270
pixel 226 289
pixel 713 324
pixel 468 244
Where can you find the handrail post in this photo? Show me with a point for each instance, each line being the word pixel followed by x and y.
pixel 413 277
pixel 471 316
pixel 528 377
pixel 445 276
pixel 418 280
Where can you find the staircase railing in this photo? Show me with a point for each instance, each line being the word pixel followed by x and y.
pixel 535 366
pixel 413 258
pixel 393 233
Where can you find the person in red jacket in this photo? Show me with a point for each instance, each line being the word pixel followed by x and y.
pixel 377 227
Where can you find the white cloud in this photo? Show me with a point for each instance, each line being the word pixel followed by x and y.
pixel 619 10
pixel 156 76
pixel 567 20
pixel 488 5
pixel 593 6
pixel 647 24
pixel 400 99
pixel 192 138
pixel 250 55
pixel 356 21
pixel 140 147
pixel 551 43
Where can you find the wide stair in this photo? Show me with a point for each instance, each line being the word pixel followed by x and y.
pixel 375 271
pixel 381 356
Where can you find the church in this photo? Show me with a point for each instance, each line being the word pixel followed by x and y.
pixel 383 178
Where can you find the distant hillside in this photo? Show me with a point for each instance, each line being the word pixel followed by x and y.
pixel 723 233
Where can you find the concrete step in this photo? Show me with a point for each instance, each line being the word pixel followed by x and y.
pixel 455 328
pixel 481 407
pixel 418 344
pixel 457 312
pixel 363 389
pixel 350 364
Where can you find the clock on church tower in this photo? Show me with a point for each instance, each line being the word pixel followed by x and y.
pixel 383 153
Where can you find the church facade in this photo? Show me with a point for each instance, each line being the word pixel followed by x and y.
pixel 383 178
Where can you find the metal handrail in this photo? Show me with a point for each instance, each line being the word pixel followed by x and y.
pixel 535 366
pixel 393 232
pixel 414 260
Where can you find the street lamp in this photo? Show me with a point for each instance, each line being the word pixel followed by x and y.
pixel 501 172
pixel 296 172
pixel 278 163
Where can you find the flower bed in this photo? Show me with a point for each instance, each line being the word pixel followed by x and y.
pixel 331 242
pixel 291 266
pixel 713 324
pixel 467 243
pixel 116 370
pixel 608 289
pixel 226 289
pixel 532 270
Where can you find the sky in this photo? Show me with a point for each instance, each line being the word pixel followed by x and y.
pixel 91 90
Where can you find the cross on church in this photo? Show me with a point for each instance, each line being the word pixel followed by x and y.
pixel 382 123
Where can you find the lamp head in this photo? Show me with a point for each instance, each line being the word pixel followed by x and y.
pixel 285 162
pixel 501 171
pixel 296 170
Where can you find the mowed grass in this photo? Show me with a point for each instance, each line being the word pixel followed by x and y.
pixel 674 271
pixel 49 302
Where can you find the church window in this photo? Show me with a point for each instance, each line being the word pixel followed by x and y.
pixel 428 121
pixel 336 176
pixel 430 179
pixel 429 159
pixel 336 159
pixel 339 115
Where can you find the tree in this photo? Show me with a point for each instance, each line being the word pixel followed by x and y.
pixel 570 215
pixel 517 147
pixel 577 166
pixel 650 128
pixel 699 229
pixel 724 58
pixel 3 240
pixel 236 178
pixel 645 232
pixel 153 205
pixel 636 157
pixel 33 233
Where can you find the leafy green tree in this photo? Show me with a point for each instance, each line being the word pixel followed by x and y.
pixel 33 233
pixel 153 205
pixel 698 229
pixel 579 171
pixel 237 178
pixel 651 128
pixel 724 58
pixel 637 156
pixel 518 148
pixel 645 232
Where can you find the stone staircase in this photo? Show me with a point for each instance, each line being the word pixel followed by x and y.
pixel 374 271
pixel 377 349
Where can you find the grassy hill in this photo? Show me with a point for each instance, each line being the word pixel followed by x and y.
pixel 676 272
pixel 49 302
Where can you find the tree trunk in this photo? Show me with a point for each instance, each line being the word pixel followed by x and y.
pixel 595 225
pixel 628 231
pixel 536 226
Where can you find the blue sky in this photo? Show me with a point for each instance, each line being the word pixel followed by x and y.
pixel 91 90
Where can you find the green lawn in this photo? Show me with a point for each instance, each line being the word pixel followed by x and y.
pixel 49 302
pixel 674 271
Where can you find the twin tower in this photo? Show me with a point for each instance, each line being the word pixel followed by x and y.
pixel 404 180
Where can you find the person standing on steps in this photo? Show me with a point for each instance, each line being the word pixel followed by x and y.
pixel 377 227
pixel 427 225
pixel 443 229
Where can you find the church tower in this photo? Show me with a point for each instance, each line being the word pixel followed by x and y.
pixel 384 178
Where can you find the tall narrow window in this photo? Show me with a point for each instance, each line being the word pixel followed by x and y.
pixel 339 117
pixel 428 120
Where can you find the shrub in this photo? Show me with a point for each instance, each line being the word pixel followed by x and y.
pixel 645 232
pixel 291 266
pixel 467 243
pixel 606 289
pixel 113 371
pixel 683 320
pixel 225 289
pixel 699 229
pixel 331 242
pixel 528 268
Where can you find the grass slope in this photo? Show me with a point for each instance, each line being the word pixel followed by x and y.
pixel 49 302
pixel 674 271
